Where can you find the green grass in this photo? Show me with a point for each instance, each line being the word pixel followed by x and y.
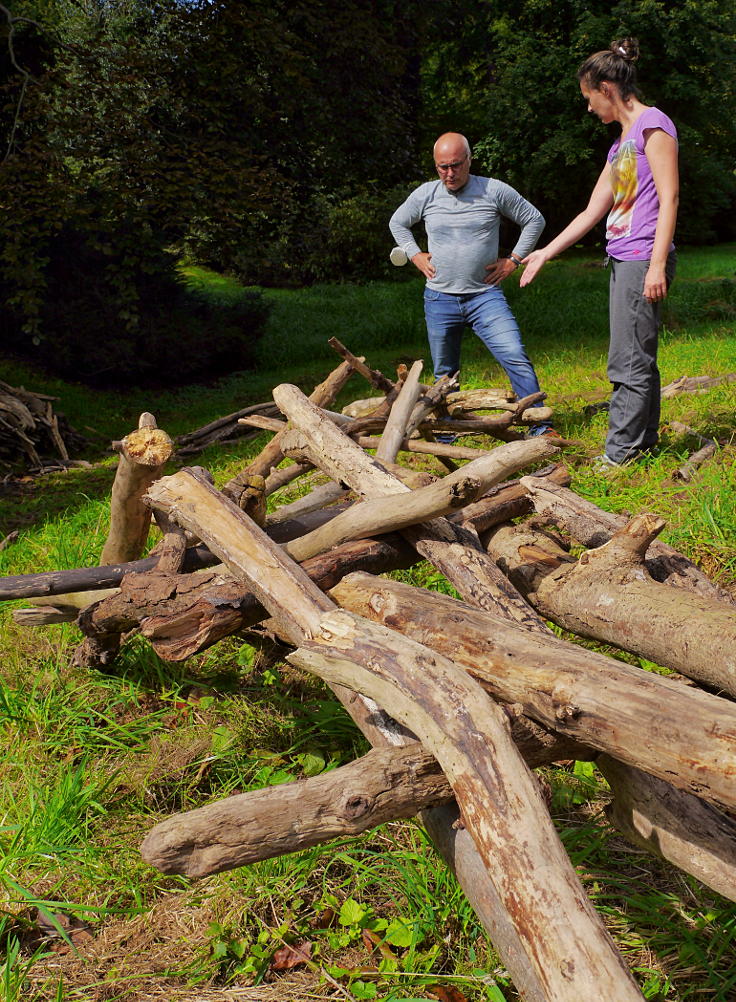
pixel 91 761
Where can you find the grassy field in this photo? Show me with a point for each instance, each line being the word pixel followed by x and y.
pixel 90 761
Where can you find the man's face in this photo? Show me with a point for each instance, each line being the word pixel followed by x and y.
pixel 453 166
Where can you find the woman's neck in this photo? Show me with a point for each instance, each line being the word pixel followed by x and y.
pixel 627 112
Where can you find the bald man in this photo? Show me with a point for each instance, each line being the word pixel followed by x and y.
pixel 462 216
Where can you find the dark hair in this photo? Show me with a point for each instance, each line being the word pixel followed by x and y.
pixel 614 64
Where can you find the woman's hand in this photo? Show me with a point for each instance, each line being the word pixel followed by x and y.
pixel 655 284
pixel 532 264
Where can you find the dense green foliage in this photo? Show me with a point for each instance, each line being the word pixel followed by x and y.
pixel 537 133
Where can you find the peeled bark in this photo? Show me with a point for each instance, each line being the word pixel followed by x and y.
pixel 502 807
pixel 608 595
pixel 592 527
pixel 678 733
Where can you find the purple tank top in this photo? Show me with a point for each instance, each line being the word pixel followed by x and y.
pixel 632 221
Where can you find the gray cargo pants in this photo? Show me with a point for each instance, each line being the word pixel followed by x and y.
pixel 633 419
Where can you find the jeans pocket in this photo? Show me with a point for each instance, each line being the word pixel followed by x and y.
pixel 431 295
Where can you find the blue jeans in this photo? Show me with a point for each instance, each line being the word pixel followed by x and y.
pixel 489 316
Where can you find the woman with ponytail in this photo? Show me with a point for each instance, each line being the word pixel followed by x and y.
pixel 638 189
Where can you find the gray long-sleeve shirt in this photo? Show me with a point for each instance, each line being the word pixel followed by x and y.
pixel 462 229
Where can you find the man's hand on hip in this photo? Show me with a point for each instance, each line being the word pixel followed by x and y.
pixel 423 262
pixel 499 270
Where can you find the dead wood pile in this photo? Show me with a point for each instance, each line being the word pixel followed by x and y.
pixel 31 434
pixel 460 699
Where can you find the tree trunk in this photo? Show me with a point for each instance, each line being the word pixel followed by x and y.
pixel 143 454
pixel 678 733
pixel 608 595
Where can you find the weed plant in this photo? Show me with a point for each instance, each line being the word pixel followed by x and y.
pixel 92 760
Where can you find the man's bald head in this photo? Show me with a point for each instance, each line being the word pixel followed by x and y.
pixel 451 143
pixel 452 160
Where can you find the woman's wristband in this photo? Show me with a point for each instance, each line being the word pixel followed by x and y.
pixel 517 260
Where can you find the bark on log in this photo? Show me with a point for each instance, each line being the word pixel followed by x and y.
pixel 593 527
pixel 688 738
pixel 197 611
pixel 384 785
pixel 608 595
pixel 672 824
pixel 489 425
pixel 708 448
pixel 689 468
pixel 501 807
pixel 502 503
pixel 487 398
pixel 394 512
pixel 695 384
pixel 426 448
pixel 82 579
pixel 455 551
pixel 143 455
pixel 434 397
pixel 374 377
pixel 501 803
pixel 220 430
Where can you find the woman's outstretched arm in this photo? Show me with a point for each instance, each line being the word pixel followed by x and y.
pixel 600 202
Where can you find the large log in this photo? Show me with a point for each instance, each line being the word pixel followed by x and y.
pixel 453 550
pixel 502 807
pixel 384 785
pixel 394 431
pixel 679 733
pixel 608 595
pixel 398 511
pixel 143 455
pixel 673 824
pixel 593 527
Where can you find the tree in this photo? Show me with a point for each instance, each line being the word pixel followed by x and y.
pixel 518 61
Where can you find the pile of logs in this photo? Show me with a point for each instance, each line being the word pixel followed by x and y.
pixel 459 698
pixel 31 433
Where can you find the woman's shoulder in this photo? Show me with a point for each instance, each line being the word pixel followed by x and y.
pixel 654 118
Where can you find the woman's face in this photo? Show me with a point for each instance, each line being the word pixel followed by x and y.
pixel 599 100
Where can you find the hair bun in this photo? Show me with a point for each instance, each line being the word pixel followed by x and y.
pixel 627 48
